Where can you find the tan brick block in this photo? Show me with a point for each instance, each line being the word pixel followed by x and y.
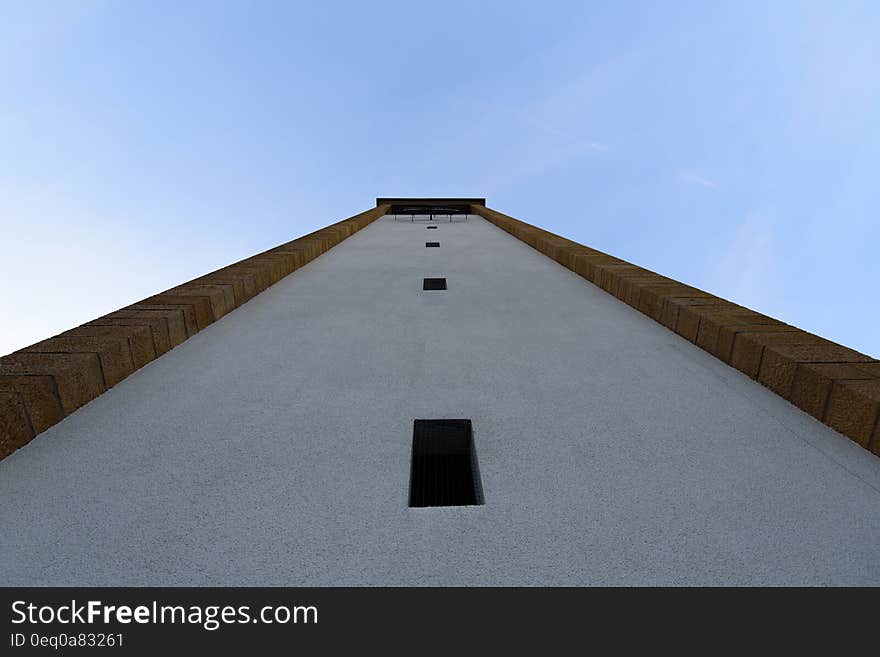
pixel 629 289
pixel 691 314
pixel 140 339
pixel 813 382
pixel 673 303
pixel 177 319
pixel 77 377
pixel 344 229
pixel 39 396
pixel 221 297
pixel 260 275
pixel 609 275
pixel 290 260
pixel 227 290
pixel 748 347
pixel 713 321
pixel 155 323
pixel 114 354
pixel 323 239
pixel 295 256
pixel 589 266
pixel 727 335
pixel 652 298
pixel 566 255
pixel 627 282
pixel 310 248
pixel 15 426
pixel 780 361
pixel 314 245
pixel 331 237
pixel 853 407
pixel 554 247
pixel 237 284
pixel 311 242
pixel 585 264
pixel 603 278
pixel 529 235
pixel 276 266
pixel 244 284
pixel 185 312
pixel 200 308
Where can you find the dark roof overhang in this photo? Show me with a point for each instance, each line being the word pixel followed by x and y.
pixel 430 205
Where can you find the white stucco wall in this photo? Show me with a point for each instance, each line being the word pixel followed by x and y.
pixel 273 447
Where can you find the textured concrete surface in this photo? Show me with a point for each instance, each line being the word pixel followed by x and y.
pixel 273 447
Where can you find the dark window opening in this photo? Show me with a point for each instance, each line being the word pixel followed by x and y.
pixel 432 227
pixel 444 470
pixel 434 284
pixel 432 243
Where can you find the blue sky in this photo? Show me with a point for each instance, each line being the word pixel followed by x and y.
pixel 733 146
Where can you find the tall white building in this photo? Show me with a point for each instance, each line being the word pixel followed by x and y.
pixel 420 395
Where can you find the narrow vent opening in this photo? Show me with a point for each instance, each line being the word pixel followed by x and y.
pixel 432 227
pixel 444 470
pixel 430 244
pixel 434 284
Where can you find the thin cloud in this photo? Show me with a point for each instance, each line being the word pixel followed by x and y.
pixel 592 145
pixel 694 179
pixel 745 271
pixel 586 144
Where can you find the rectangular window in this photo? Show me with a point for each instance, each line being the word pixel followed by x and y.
pixel 444 470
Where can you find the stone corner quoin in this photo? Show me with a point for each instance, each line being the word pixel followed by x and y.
pixel 43 383
pixel 836 385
